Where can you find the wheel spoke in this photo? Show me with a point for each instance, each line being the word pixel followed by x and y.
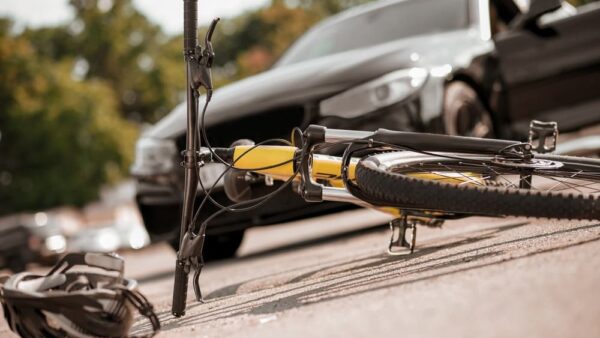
pixel 587 184
pixel 469 179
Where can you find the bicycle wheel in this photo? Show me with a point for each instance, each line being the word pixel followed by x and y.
pixel 546 186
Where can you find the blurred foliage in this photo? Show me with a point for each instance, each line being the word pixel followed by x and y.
pixel 122 47
pixel 61 138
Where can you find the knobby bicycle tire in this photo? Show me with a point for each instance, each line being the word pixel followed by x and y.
pixel 385 183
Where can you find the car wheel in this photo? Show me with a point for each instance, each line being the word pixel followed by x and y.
pixel 464 113
pixel 17 264
pixel 217 247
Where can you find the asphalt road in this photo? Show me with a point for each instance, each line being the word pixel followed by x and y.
pixel 331 277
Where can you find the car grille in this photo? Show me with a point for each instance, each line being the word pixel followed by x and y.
pixel 277 123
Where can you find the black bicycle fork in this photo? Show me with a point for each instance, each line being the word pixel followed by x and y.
pixel 198 61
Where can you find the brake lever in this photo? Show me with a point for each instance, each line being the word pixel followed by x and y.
pixel 197 264
pixel 209 54
pixel 191 251
pixel 201 73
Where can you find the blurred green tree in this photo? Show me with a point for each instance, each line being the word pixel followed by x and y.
pixel 112 41
pixel 62 138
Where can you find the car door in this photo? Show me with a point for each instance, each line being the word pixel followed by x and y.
pixel 552 71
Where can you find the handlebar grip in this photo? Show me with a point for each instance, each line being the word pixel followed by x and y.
pixel 190 24
pixel 180 288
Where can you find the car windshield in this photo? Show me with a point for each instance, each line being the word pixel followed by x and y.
pixel 387 23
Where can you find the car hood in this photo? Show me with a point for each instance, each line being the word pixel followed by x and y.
pixel 315 79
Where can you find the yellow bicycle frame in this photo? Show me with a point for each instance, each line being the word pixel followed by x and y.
pixel 278 162
pixel 323 167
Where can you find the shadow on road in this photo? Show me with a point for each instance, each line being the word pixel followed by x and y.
pixel 314 242
pixel 359 275
pixel 280 249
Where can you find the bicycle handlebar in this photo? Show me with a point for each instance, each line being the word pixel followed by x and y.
pixel 180 289
pixel 190 25
pixel 190 41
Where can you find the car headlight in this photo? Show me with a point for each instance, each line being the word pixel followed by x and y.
pixel 382 92
pixel 153 157
pixel 56 243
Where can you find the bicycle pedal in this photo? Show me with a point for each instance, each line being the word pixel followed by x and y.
pixel 403 236
pixel 546 134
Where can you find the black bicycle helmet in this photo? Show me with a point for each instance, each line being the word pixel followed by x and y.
pixel 96 302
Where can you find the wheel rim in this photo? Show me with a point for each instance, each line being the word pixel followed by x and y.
pixel 567 178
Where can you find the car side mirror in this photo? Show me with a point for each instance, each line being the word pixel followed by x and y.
pixel 537 8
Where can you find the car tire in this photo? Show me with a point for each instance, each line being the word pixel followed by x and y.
pixel 17 264
pixel 217 247
pixel 464 113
